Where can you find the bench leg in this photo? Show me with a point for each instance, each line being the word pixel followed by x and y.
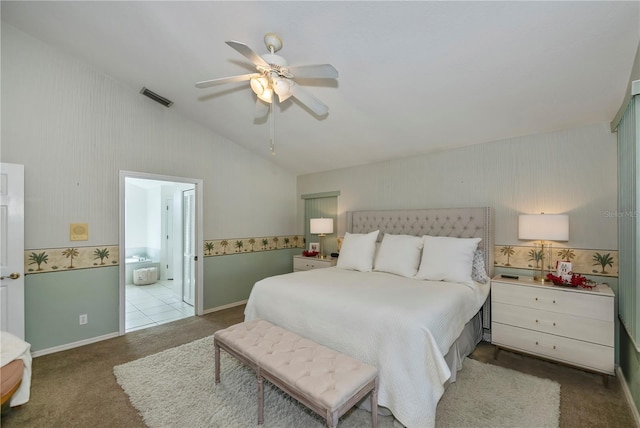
pixel 217 358
pixel 260 399
pixel 332 419
pixel 374 405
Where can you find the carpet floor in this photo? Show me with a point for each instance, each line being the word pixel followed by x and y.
pixel 77 388
pixel 185 374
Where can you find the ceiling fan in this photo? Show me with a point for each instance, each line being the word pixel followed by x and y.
pixel 275 77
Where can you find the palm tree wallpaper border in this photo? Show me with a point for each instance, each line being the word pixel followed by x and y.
pixel 70 258
pixel 585 262
pixel 73 258
pixel 222 247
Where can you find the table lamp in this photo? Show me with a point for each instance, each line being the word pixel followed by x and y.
pixel 543 227
pixel 321 227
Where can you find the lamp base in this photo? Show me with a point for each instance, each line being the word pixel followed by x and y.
pixel 541 254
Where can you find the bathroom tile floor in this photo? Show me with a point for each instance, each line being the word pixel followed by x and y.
pixel 154 304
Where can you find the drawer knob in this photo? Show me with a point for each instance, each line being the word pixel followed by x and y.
pixel 536 342
pixel 536 299
pixel 554 301
pixel 554 346
pixel 536 321
pixel 554 324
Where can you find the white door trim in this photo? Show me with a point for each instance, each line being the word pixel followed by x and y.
pixel 199 236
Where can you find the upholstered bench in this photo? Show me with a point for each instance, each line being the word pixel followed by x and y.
pixel 11 379
pixel 324 380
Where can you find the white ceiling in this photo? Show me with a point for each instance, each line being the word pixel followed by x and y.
pixel 415 77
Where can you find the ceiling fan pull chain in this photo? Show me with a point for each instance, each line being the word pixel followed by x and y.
pixel 272 131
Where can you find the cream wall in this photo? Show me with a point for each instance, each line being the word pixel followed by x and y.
pixel 75 128
pixel 571 171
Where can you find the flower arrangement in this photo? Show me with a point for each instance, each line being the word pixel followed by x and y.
pixel 576 280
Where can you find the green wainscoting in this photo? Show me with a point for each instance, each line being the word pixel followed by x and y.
pixel 229 279
pixel 630 365
pixel 55 300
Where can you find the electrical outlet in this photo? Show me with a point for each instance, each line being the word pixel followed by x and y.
pixel 84 319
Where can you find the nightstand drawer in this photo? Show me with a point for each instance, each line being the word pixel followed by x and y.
pixel 588 355
pixel 308 263
pixel 554 300
pixel 580 328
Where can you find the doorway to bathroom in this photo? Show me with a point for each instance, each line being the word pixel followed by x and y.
pixel 160 224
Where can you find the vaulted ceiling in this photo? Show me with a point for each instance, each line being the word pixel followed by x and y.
pixel 414 77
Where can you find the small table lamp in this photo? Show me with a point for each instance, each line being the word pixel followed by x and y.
pixel 321 227
pixel 543 227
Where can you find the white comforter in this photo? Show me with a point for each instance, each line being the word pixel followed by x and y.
pixel 400 325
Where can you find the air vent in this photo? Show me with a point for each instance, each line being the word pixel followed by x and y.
pixel 155 97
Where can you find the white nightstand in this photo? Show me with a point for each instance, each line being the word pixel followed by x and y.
pixel 569 325
pixel 308 263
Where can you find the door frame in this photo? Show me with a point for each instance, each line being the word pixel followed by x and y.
pixel 185 219
pixel 199 237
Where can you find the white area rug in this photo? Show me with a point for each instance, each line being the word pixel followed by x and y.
pixel 175 388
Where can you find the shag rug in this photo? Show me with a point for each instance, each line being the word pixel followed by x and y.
pixel 176 388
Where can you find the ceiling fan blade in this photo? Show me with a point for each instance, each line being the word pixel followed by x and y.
pixel 316 71
pixel 314 104
pixel 232 79
pixel 261 110
pixel 248 53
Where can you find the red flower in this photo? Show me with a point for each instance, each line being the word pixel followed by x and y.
pixel 577 280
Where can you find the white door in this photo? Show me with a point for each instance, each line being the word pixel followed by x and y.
pixel 189 249
pixel 12 249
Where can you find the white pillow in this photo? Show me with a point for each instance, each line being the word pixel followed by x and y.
pixel 399 254
pixel 357 251
pixel 447 259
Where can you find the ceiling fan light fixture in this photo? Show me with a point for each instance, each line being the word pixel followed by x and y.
pixel 282 87
pixel 259 85
pixel 266 95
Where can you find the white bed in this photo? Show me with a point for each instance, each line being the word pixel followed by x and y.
pixel 415 331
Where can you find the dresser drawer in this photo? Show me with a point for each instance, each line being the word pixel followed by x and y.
pixel 583 354
pixel 308 263
pixel 554 300
pixel 587 329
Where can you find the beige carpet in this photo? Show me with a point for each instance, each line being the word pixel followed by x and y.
pixel 176 388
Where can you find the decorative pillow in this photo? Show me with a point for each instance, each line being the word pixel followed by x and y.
pixel 447 259
pixel 399 254
pixel 357 251
pixel 478 271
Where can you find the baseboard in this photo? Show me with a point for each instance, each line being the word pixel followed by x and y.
pixel 223 307
pixel 628 396
pixel 73 345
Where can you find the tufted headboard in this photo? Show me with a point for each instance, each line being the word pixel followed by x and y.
pixel 455 222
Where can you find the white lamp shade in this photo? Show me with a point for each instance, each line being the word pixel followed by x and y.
pixel 543 227
pixel 282 87
pixel 259 84
pixel 266 95
pixel 321 226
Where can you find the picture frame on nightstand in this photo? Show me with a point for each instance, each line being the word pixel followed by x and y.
pixel 314 246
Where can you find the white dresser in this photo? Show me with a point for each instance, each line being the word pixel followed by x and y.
pixel 570 325
pixel 308 263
